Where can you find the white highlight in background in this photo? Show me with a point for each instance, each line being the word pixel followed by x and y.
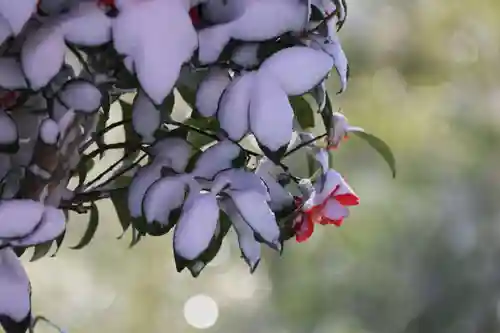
pixel 201 311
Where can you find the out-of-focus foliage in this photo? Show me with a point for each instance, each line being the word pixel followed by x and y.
pixel 420 254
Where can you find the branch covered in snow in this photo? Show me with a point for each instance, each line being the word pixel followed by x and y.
pixel 75 72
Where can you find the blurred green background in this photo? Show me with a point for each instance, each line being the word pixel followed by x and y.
pixel 420 254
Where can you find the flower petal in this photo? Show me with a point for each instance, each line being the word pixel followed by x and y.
pixel 254 209
pixel 161 198
pixel 81 95
pixel 175 151
pixel 304 228
pixel 271 115
pixel 286 67
pixel 52 225
pixel 146 118
pixel 234 106
pixel 19 217
pixel 42 55
pixel 87 25
pixel 334 212
pixel 210 91
pixel 197 225
pixel 336 187
pixel 249 247
pixel 17 13
pixel 11 74
pixel 15 303
pixel 216 158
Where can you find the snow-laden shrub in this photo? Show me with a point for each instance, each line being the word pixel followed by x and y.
pixel 244 66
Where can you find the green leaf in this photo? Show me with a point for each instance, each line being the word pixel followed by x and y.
pixel 188 95
pixel 381 147
pixel 131 137
pixel 167 107
pixel 103 119
pixel 41 250
pixel 83 169
pixel 91 228
pixel 136 237
pixel 59 241
pixel 209 125
pixel 318 93
pixel 303 111
pixel 119 200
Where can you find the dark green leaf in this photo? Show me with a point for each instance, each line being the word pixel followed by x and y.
pixel 83 169
pixel 318 93
pixel 103 119
pixel 303 111
pixel 167 107
pixel 209 125
pixel 131 137
pixel 41 250
pixel 119 200
pixel 19 251
pixel 381 147
pixel 136 237
pixel 59 241
pixel 188 95
pixel 91 228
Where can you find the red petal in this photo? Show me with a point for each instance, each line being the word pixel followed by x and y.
pixel 304 229
pixel 195 16
pixel 347 199
pixel 332 147
pixel 326 221
pixel 106 2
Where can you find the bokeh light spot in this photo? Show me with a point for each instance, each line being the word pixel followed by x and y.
pixel 201 311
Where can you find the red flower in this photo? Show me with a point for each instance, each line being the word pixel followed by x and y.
pixel 329 206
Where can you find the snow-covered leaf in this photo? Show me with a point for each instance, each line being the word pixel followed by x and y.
pixel 5 30
pixel 246 55
pixel 52 224
pixel 271 116
pixel 234 106
pixel 15 303
pixel 146 118
pixel 274 17
pixel 163 197
pixel 81 95
pixel 216 158
pixel 17 13
pixel 174 150
pixel 11 74
pixel 210 91
pixel 197 225
pixel 333 48
pixel 249 247
pixel 241 180
pixel 19 217
pixel 287 67
pixel 87 25
pixel 142 180
pixel 49 131
pixel 254 209
pixel 42 55
pixel 222 11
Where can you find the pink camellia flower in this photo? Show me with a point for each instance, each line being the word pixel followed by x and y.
pixel 327 204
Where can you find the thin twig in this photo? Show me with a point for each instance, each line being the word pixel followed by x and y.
pixel 100 133
pixel 303 144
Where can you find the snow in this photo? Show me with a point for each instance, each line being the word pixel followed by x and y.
pixel 271 115
pixel 15 302
pixel 210 90
pixel 197 225
pixel 19 217
pixel 253 208
pixel 211 42
pixel 146 119
pixel 8 129
pixel 216 158
pixel 42 55
pixel 49 131
pixel 11 74
pixel 17 13
pixel 162 197
pixel 297 69
pixel 239 179
pixel 223 11
pixel 234 106
pixel 280 198
pixel 333 48
pixel 87 25
pixel 81 95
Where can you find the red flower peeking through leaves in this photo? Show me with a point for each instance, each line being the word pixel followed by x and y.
pixel 326 206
